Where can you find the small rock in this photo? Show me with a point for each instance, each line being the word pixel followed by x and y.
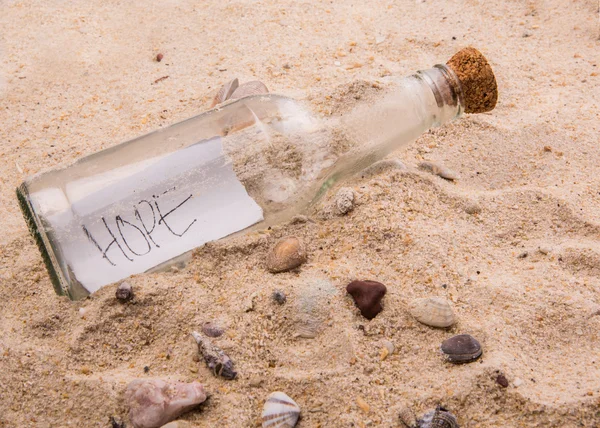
pixel 212 330
pixel 439 170
pixel 463 348
pixel 502 381
pixel 517 382
pixel 472 207
pixel 154 402
pixel 544 250
pixel 124 292
pixel 279 297
pixel 288 253
pixel 523 255
pixel 337 63
pixel 344 200
pixel 83 312
pixel 367 295
pixel 389 346
pixel 255 381
pixel 159 57
pixel 363 405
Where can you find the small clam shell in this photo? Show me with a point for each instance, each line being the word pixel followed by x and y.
pixel 433 311
pixel 463 348
pixel 288 253
pixel 439 170
pixel 407 417
pixel 250 88
pixel 225 92
pixel 280 411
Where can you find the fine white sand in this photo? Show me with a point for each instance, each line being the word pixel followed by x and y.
pixel 76 77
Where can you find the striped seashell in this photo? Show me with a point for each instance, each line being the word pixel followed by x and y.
pixel 247 89
pixel 225 92
pixel 433 311
pixel 280 411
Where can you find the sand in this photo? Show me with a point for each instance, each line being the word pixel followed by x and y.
pixel 514 243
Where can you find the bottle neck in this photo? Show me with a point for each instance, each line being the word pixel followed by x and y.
pixel 447 91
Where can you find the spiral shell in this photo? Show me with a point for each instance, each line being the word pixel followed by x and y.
pixel 280 411
pixel 216 360
pixel 433 311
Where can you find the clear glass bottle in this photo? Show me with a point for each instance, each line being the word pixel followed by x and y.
pixel 253 162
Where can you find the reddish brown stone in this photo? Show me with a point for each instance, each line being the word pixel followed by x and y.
pixel 367 295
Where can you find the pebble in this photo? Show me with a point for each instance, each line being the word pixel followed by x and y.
pixel 279 297
pixel 367 295
pixel 439 170
pixel 83 312
pixel 124 292
pixel 517 382
pixel 462 348
pixel 389 346
pixel 344 200
pixel 155 402
pixel 159 57
pixel 502 381
pixel 544 250
pixel 287 254
pixel 472 208
pixel 363 405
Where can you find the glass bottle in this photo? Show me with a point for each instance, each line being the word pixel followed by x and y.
pixel 247 164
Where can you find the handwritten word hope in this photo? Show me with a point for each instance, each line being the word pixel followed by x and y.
pixel 134 236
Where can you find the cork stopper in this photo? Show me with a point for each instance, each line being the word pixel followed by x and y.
pixel 476 79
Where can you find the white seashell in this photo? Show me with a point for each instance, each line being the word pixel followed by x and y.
pixel 225 92
pixel 247 89
pixel 433 311
pixel 280 411
pixel 439 170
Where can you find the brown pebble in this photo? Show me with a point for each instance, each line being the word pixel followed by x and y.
pixel 288 253
pixel 502 381
pixel 367 295
pixel 159 57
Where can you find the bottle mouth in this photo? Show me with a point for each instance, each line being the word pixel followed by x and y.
pixel 446 88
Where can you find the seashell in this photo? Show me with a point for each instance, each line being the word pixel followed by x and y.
pixel 439 170
pixel 463 348
pixel 225 92
pixel 154 402
pixel 438 418
pixel 247 89
pixel 344 200
pixel 124 292
pixel 367 295
pixel 212 330
pixel 288 253
pixel 280 411
pixel 312 307
pixel 215 358
pixel 279 297
pixel 407 417
pixel 433 311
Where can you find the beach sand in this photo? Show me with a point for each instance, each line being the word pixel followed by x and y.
pixel 522 270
